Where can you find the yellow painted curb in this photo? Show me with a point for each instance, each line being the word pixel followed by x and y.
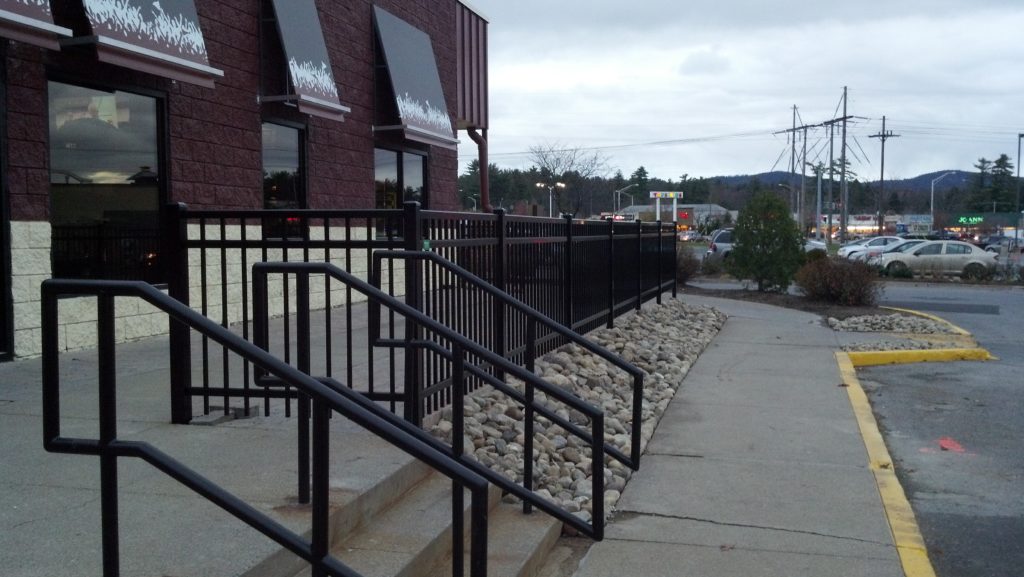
pixel 874 358
pixel 902 523
pixel 955 328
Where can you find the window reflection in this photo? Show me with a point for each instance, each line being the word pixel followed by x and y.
pixel 385 169
pixel 412 181
pixel 283 186
pixel 104 183
pixel 400 177
pixel 282 177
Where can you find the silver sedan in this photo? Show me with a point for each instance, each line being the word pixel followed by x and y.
pixel 950 257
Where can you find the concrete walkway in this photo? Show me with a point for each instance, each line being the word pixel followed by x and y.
pixel 757 467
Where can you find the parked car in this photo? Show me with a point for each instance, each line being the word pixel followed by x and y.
pixel 689 235
pixel 720 245
pixel 938 257
pixel 852 249
pixel 904 246
pixel 811 244
pixel 872 252
pixel 1005 244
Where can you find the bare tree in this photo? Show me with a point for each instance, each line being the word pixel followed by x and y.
pixel 572 165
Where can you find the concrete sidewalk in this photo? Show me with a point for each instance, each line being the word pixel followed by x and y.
pixel 757 467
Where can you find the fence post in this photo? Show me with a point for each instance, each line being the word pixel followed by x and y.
pixel 413 231
pixel 675 263
pixel 567 272
pixel 175 231
pixel 658 263
pixel 499 283
pixel 611 272
pixel 640 263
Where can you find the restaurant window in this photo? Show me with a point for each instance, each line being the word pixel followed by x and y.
pixel 283 178
pixel 400 177
pixel 105 183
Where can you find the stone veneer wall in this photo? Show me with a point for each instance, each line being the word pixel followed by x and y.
pixel 30 258
pixel 30 266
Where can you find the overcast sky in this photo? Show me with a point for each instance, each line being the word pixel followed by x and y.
pixel 698 86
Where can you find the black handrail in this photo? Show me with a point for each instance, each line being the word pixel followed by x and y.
pixel 325 398
pixel 460 347
pixel 633 461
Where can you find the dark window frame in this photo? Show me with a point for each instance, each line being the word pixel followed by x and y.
pixel 6 297
pixel 163 136
pixel 401 151
pixel 272 228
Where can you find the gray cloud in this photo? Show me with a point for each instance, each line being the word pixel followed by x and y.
pixel 944 72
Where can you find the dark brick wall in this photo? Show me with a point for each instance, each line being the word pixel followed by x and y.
pixel 214 134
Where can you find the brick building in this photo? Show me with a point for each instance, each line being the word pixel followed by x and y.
pixel 112 110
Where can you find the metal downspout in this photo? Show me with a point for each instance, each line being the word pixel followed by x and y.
pixel 485 177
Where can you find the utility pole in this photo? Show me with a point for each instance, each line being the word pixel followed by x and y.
pixel 831 167
pixel 831 176
pixel 844 190
pixel 792 161
pixel 883 136
pixel 803 183
pixel 796 195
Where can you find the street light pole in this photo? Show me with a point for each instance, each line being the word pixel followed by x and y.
pixel 618 194
pixel 551 194
pixel 934 180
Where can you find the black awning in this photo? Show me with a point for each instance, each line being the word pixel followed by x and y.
pixel 30 22
pixel 412 69
pixel 159 37
pixel 309 66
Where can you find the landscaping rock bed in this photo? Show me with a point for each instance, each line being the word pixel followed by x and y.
pixel 894 323
pixel 664 341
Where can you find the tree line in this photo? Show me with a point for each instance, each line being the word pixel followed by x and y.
pixel 589 191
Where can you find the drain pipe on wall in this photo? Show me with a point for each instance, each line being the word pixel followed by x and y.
pixel 485 168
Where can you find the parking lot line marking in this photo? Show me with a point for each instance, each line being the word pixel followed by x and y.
pixel 902 523
pixel 875 358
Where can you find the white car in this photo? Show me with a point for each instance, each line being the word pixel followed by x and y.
pixel 873 252
pixel 904 246
pixel 852 250
pixel 940 257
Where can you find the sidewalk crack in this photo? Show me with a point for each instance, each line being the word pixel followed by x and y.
pixel 750 526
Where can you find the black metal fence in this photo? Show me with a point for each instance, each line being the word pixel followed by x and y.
pixel 581 273
pixel 107 251
pixel 320 399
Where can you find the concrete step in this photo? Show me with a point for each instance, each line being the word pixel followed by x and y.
pixel 351 515
pixel 413 537
pixel 517 545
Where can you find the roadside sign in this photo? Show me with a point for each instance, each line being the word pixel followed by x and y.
pixel 666 194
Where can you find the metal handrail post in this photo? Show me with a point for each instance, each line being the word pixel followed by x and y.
pixel 458 446
pixel 499 283
pixel 413 277
pixel 108 434
pixel 321 506
pixel 179 338
pixel 302 353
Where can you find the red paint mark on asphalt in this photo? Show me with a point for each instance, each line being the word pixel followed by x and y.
pixel 948 444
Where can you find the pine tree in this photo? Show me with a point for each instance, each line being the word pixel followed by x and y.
pixel 768 245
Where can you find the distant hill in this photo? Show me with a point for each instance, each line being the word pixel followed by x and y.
pixel 917 184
